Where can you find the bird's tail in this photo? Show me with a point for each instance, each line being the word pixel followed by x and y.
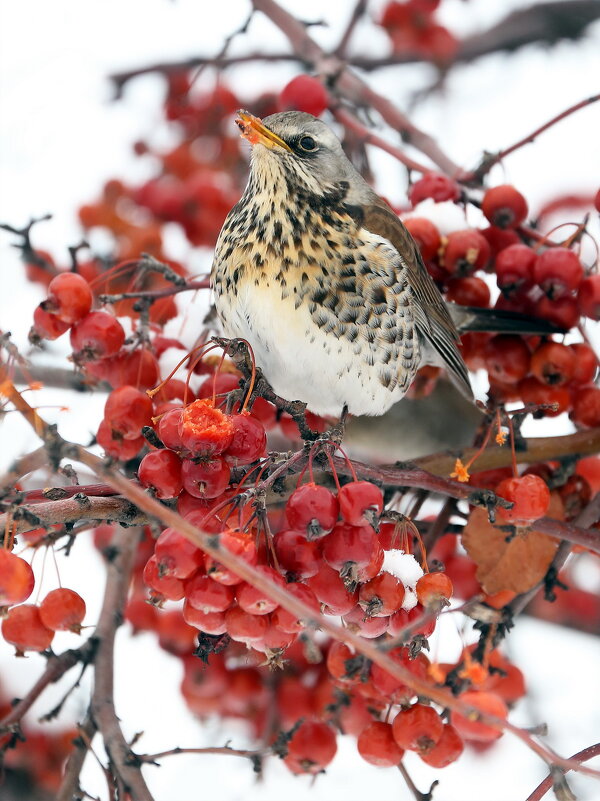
pixel 469 318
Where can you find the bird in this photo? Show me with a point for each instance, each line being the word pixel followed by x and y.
pixel 323 280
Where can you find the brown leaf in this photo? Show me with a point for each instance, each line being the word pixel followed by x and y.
pixel 515 565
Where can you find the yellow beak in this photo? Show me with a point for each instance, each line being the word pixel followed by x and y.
pixel 255 132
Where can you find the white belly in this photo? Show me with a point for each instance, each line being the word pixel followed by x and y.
pixel 301 361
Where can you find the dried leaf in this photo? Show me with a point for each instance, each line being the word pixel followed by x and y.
pixel 506 562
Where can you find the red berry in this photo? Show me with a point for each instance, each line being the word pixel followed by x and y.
pixel 298 557
pixel 470 727
pixel 161 470
pixel 507 358
pixel 329 587
pixel 128 410
pixel 530 497
pixel 255 601
pixel 219 384
pixel 48 326
pixel 514 269
pixel 168 586
pixel 312 509
pixel 304 93
pixel 418 728
pixel 588 297
pixel 23 628
pixel 168 429
pixel 586 407
pixel 367 627
pixel 434 185
pixel 176 555
pixel 63 610
pixel 243 627
pixel 69 297
pixel 206 479
pixel 558 271
pixel 499 238
pixel 96 336
pixel 249 439
pixel 138 368
pixel 240 544
pixel 207 595
pixel 377 746
pixel 113 443
pixel 289 622
pixel 204 429
pixel 381 596
pixel 589 468
pixel 433 589
pixel 553 363
pixel 562 312
pixel 352 550
pixel 360 502
pixel 426 235
pixel 208 622
pixel 311 748
pixel 586 363
pixel 466 251
pixel 16 579
pixel 469 291
pixel 504 206
pixel 447 749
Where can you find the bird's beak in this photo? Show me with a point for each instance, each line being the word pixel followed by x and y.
pixel 255 132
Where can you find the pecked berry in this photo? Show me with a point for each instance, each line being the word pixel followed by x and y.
pixel 69 297
pixel 16 579
pixel 304 93
pixel 377 746
pixel 425 234
pixel 205 430
pixel 530 497
pixel 504 206
pixel 434 185
pixel 249 439
pixel 360 502
pixel 127 410
pixel 161 471
pixel 312 509
pixel 63 610
pixel 23 628
pixel 418 728
pixel 558 272
pixel 96 336
pixel 205 479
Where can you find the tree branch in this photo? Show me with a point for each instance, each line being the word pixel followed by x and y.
pixel 581 756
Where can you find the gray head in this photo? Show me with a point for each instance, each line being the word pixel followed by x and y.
pixel 299 144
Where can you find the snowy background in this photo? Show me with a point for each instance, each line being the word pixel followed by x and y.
pixel 62 137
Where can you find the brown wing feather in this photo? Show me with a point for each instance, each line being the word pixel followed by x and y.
pixel 432 318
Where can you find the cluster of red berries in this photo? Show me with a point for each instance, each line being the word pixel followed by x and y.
pixel 534 278
pixel 31 627
pixel 414 30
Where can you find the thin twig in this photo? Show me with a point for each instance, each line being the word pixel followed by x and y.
pixel 70 788
pixel 581 756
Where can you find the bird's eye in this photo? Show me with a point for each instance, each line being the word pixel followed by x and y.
pixel 307 143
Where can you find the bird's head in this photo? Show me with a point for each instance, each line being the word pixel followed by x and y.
pixel 300 146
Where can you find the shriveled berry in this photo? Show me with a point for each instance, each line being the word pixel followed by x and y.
pixel 205 430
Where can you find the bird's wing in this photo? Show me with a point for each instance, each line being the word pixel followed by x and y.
pixel 432 318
